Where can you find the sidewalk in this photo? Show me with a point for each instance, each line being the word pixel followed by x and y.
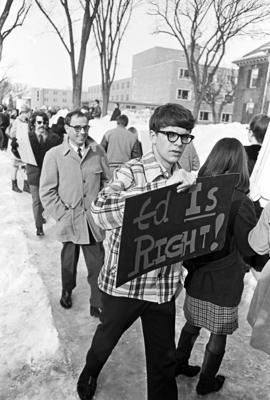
pixel 123 377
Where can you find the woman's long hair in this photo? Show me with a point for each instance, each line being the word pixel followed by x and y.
pixel 228 156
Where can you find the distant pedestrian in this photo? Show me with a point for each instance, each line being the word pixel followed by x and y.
pixel 120 144
pixel 139 150
pixel 72 175
pixel 4 123
pixel 116 112
pixel 17 163
pixel 96 109
pixel 59 128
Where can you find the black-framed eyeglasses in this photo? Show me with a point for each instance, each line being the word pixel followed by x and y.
pixel 174 136
pixel 78 128
pixel 42 122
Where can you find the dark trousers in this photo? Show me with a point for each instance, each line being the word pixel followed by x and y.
pixel 37 206
pixel 3 140
pixel 94 258
pixel 158 324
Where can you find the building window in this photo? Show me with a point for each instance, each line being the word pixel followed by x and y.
pixel 122 97
pixel 183 73
pixel 225 117
pixel 254 73
pixel 183 94
pixel 55 92
pixel 117 86
pixel 123 85
pixel 37 95
pixel 127 97
pixel 55 100
pixel 204 116
pixel 127 84
pixel 64 100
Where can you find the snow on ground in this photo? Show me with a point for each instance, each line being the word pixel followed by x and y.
pixel 23 297
pixel 28 336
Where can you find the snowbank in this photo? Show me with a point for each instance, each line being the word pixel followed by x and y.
pixel 27 332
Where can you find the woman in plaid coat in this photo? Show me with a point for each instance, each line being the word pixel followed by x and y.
pixel 214 283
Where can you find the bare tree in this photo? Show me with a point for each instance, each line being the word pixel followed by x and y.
pixel 203 29
pixel 78 16
pixel 221 91
pixel 109 28
pixel 7 25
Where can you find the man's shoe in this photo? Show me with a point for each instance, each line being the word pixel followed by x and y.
pixel 65 300
pixel 95 311
pixel 40 232
pixel 87 389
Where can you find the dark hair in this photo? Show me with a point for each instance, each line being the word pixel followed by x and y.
pixel 71 114
pixel 132 129
pixel 171 114
pixel 122 120
pixel 97 101
pixel 38 114
pixel 227 156
pixel 258 125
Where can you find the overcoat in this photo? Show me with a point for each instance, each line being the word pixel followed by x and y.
pixel 69 184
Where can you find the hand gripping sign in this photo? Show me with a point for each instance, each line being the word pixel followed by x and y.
pixel 163 227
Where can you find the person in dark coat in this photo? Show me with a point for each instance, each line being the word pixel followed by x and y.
pixel 257 129
pixel 41 140
pixel 4 123
pixel 214 283
pixel 116 112
pixel 96 109
pixel 59 128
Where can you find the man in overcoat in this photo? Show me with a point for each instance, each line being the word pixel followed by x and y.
pixel 72 175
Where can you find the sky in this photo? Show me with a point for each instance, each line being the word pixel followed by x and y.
pixel 34 55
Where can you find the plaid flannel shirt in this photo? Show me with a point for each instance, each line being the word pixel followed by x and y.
pixel 134 177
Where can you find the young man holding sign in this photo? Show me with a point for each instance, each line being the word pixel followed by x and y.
pixel 152 295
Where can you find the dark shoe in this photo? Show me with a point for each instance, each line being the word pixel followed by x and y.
pixel 65 300
pixel 26 187
pixel 15 186
pixel 95 311
pixel 206 385
pixel 40 232
pixel 209 380
pixel 44 220
pixel 87 389
pixel 187 370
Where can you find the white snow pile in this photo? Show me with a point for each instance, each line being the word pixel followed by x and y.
pixel 27 332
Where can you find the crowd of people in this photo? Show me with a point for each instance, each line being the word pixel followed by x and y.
pixel 83 186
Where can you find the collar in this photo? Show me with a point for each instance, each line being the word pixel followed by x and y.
pixel 75 148
pixel 90 144
pixel 153 168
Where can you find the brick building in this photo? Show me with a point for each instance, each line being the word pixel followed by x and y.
pixel 159 75
pixel 253 87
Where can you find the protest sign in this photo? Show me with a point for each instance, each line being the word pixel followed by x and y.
pixel 25 149
pixel 163 227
